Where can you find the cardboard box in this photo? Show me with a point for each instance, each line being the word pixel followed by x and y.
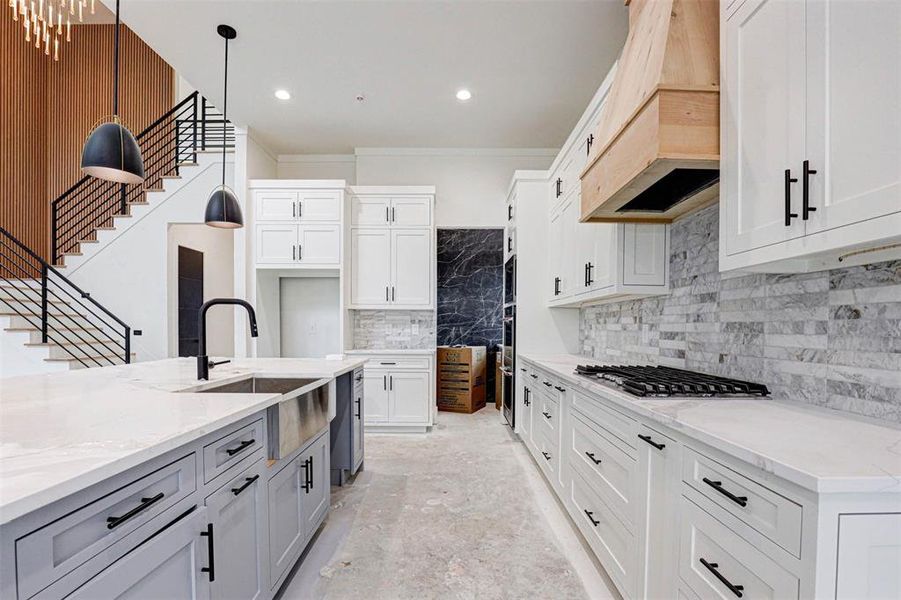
pixel 461 378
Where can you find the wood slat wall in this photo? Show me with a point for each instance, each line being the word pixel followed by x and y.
pixel 48 109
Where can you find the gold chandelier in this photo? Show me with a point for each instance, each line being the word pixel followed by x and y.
pixel 43 21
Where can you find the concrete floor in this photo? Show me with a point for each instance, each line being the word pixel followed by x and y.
pixel 461 512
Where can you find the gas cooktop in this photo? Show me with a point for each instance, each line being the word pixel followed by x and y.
pixel 667 381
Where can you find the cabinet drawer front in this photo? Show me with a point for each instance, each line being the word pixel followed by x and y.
pixel 547 455
pixel 231 449
pixel 718 563
pixel 52 551
pixel 603 465
pixel 548 414
pixel 370 211
pixel 398 363
pixel 623 427
pixel 608 537
pixel 774 516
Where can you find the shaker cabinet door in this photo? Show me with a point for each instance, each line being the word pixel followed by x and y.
pixel 239 524
pixel 273 205
pixel 853 118
pixel 375 388
pixel 762 117
pixel 319 244
pixel 411 267
pixel 317 492
pixel 276 244
pixel 286 524
pixel 167 565
pixel 370 266
pixel 409 395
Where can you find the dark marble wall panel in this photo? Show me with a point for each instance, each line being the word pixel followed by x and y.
pixel 470 290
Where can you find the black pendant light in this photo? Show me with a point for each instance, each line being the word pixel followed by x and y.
pixel 222 209
pixel 111 152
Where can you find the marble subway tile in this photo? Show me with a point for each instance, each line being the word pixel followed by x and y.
pixel 829 338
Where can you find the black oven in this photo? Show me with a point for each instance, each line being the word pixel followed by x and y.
pixel 510 281
pixel 508 366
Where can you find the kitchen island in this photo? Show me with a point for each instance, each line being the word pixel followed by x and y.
pixel 140 475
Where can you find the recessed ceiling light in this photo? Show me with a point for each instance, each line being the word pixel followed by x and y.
pixel 464 95
pixel 282 94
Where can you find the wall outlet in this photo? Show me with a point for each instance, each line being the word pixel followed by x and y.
pixel 414 328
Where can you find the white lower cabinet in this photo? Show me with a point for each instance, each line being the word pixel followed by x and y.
pixel 399 391
pixel 167 565
pixel 668 516
pixel 237 515
pixel 298 500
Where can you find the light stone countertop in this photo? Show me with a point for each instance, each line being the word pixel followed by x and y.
pixel 63 432
pixel 413 351
pixel 820 449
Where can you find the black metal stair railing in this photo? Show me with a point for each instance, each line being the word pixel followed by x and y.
pixel 173 140
pixel 62 312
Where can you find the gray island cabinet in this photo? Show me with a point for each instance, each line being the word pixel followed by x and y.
pixel 215 517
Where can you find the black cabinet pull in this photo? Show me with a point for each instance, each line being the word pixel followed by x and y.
pixel 247 483
pixel 385 382
pixel 307 467
pixel 547 383
pixel 386 293
pixel 390 383
pixel 588 143
pixel 789 215
pixel 591 518
pixel 241 447
pixel 523 369
pixel 208 534
pixel 113 522
pixel 559 187
pixel 546 456
pixel 590 278
pixel 718 486
pixel 713 568
pixel 509 212
pixel 533 375
pixel 300 208
pixel 648 439
pixel 299 251
pixel 559 389
pixel 547 415
pixel 357 401
pixel 293 251
pixel 387 363
pixel 585 275
pixel 509 244
pixel 593 458
pixel 387 214
pixel 806 208
pixel 392 293
pixel 556 286
pixel 310 472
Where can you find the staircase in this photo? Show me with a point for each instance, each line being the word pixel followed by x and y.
pixel 49 323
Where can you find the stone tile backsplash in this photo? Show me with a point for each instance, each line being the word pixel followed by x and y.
pixel 393 329
pixel 831 338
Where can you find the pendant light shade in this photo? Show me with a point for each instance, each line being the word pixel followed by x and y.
pixel 111 152
pixel 223 209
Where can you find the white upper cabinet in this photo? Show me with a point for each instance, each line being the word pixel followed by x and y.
pixel 392 250
pixel 298 223
pixel 276 205
pixel 411 267
pixel 319 205
pixel 853 111
pixel 370 267
pixel 761 104
pixel 811 133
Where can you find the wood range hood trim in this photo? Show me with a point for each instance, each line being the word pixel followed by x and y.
pixel 662 117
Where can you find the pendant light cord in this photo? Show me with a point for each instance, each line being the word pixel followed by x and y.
pixel 116 65
pixel 224 111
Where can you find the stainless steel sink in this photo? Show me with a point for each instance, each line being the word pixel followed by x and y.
pixel 259 385
pixel 297 417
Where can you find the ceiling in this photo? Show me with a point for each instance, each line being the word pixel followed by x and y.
pixel 532 67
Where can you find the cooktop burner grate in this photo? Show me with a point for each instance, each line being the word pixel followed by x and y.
pixel 667 381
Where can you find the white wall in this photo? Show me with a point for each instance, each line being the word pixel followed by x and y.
pixel 318 166
pixel 252 161
pixel 218 282
pixel 310 316
pixel 129 272
pixel 471 184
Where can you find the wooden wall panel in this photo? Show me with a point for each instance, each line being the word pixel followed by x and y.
pixel 23 137
pixel 47 110
pixel 81 86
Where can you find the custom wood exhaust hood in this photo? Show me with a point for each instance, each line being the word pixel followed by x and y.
pixel 657 152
